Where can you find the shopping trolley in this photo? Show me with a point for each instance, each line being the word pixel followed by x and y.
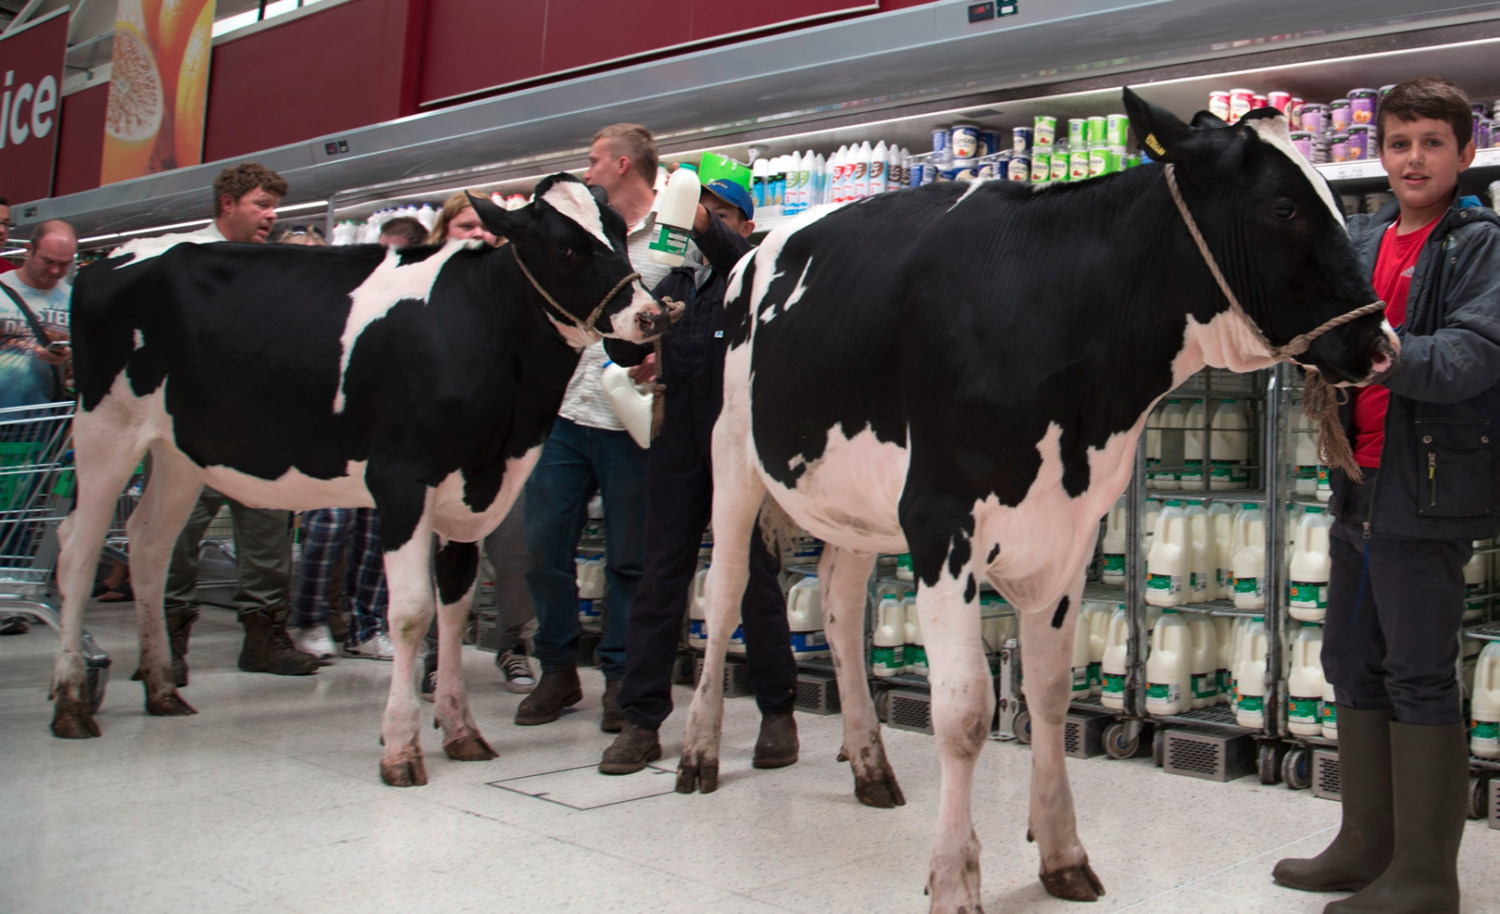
pixel 36 493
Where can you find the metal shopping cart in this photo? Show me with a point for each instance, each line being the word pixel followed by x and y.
pixel 36 493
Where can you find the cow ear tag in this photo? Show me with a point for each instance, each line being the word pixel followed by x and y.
pixel 1161 131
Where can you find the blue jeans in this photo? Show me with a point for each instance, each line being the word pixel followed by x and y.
pixel 575 461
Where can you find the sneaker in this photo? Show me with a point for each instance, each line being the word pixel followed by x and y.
pixel 428 690
pixel 316 641
pixel 377 648
pixel 517 669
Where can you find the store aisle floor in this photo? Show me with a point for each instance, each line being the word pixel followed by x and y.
pixel 270 800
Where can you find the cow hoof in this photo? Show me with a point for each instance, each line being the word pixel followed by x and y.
pixel 883 793
pixel 408 773
pixel 703 776
pixel 72 719
pixel 169 705
pixel 1074 883
pixel 470 749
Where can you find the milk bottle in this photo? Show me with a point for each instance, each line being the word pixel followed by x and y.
pixel 989 623
pixel 1476 583
pixel 1148 527
pixel 1236 638
pixel 1173 417
pixel 674 216
pixel 1325 488
pixel 590 589
pixel 631 404
pixel 1229 446
pixel 1201 585
pixel 1079 665
pixel 1169 668
pixel 859 185
pixel 1153 446
pixel 1304 454
pixel 698 611
pixel 916 650
pixel 1097 616
pixel 1167 562
pixel 903 567
pixel 1224 629
pixel 1250 559
pixel 1192 446
pixel 1204 668
pixel 888 652
pixel 1221 529
pixel 1328 713
pixel 1250 675
pixel 804 615
pixel 1484 706
pixel 1112 546
pixel 1310 567
pixel 876 179
pixel 1305 683
pixel 1112 667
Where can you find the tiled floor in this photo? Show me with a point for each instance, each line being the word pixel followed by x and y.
pixel 269 800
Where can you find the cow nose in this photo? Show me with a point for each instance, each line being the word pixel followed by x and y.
pixel 652 324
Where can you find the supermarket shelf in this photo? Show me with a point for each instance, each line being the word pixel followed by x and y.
pixel 1219 608
pixel 1219 716
pixel 1490 632
pixel 1371 169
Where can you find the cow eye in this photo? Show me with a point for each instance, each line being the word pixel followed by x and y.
pixel 563 250
pixel 1284 209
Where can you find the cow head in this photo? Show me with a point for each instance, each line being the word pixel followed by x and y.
pixel 1277 234
pixel 571 246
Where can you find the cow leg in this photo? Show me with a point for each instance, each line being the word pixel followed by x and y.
pixel 456 568
pixel 1046 655
pixel 153 528
pixel 844 576
pixel 406 531
pixel 738 494
pixel 963 704
pixel 104 465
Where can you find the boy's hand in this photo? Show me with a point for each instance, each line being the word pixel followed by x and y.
pixel 645 373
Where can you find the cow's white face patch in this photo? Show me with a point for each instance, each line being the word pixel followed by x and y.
pixel 391 282
pixel 1272 131
pixel 574 201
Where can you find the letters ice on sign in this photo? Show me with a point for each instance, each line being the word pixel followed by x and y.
pixel 31 66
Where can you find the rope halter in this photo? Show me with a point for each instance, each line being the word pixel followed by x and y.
pixel 1300 343
pixel 586 325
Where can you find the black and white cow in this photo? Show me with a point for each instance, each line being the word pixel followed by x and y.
pixel 422 382
pixel 962 371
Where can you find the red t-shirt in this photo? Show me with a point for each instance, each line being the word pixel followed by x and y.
pixel 1394 266
pixel 5 265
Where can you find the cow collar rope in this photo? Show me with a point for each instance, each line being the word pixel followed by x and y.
pixel 586 325
pixel 1320 400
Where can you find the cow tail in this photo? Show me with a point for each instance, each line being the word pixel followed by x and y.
pixel 777 529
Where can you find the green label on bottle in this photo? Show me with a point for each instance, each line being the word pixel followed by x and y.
pixel 1309 595
pixel 1163 691
pixel 1114 684
pixel 1205 685
pixel 1485 732
pixel 1094 676
pixel 1252 703
pixel 1080 676
pixel 669 240
pixel 1164 583
pixel 1114 564
pixel 1249 586
pixel 1330 714
pixel 1303 710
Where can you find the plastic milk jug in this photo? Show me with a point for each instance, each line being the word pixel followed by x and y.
pixel 1079 665
pixel 903 567
pixel 674 216
pixel 1173 418
pixel 888 653
pixel 1310 567
pixel 1305 683
pixel 916 649
pixel 989 623
pixel 1224 628
pixel 1097 615
pixel 631 404
pixel 590 588
pixel 1250 560
pixel 1201 585
pixel 1112 667
pixel 1148 527
pixel 1192 446
pixel 1221 531
pixel 1169 668
pixel 1325 488
pixel 1229 446
pixel 1112 546
pixel 1204 667
pixel 1484 706
pixel 804 616
pixel 1236 637
pixel 1167 562
pixel 1328 713
pixel 1250 675
pixel 1476 582
pixel 698 611
pixel 1304 454
pixel 1153 446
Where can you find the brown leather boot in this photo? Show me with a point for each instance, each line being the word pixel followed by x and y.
pixel 614 715
pixel 1363 847
pixel 269 649
pixel 631 751
pixel 554 692
pixel 777 746
pixel 179 626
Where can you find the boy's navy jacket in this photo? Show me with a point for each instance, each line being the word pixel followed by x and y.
pixel 1439 477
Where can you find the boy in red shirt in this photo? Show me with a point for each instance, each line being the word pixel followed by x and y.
pixel 1405 531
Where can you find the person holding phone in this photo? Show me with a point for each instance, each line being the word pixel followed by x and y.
pixel 34 303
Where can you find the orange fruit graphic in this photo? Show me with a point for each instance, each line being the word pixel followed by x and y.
pixel 192 89
pixel 175 25
pixel 133 117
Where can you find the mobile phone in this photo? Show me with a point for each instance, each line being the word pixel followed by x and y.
pixel 58 346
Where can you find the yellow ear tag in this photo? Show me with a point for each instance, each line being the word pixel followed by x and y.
pixel 1154 146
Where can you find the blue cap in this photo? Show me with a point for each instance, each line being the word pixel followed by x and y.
pixel 734 194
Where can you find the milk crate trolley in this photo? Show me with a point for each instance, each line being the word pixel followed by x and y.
pixel 36 493
pixel 1484 773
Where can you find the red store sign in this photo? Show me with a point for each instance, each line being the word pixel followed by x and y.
pixel 31 69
